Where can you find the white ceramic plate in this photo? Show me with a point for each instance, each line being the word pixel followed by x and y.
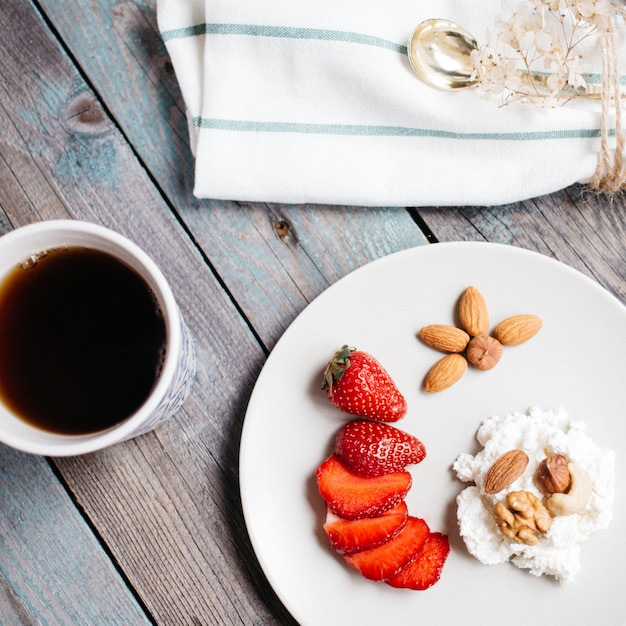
pixel 577 361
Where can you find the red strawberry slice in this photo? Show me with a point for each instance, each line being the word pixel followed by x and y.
pixel 351 496
pixel 372 448
pixel 357 383
pixel 425 569
pixel 384 561
pixel 350 536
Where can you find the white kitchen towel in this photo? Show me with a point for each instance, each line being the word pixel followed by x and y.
pixel 316 102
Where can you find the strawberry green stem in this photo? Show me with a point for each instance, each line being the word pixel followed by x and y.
pixel 337 366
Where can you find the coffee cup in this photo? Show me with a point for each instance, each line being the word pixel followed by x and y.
pixel 93 347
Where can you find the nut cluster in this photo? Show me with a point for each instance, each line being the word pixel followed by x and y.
pixel 472 343
pixel 522 516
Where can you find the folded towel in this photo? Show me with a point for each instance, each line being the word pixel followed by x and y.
pixel 316 102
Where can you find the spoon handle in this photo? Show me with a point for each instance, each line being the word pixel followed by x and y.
pixel 538 84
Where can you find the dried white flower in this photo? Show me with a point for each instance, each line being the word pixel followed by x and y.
pixel 535 56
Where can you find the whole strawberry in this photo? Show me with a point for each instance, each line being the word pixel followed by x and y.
pixel 357 383
pixel 372 449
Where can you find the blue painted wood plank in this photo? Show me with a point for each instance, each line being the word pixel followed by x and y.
pixel 166 506
pixel 53 569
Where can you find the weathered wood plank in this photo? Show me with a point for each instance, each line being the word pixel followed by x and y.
pixel 52 568
pixel 581 228
pixel 167 505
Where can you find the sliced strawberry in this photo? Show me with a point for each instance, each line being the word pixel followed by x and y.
pixel 384 561
pixel 357 383
pixel 351 496
pixel 372 448
pixel 350 536
pixel 425 569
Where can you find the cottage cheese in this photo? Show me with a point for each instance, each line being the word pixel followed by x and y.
pixel 557 553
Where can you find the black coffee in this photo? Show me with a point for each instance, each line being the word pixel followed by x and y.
pixel 81 341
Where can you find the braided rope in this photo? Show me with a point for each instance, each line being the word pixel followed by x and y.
pixel 610 174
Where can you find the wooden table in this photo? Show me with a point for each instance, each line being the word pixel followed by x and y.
pixel 92 127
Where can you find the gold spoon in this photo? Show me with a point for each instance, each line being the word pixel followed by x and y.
pixel 439 52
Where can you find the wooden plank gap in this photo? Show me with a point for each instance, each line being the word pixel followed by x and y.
pixel 422 225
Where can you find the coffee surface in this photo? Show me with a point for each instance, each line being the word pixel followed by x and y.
pixel 82 340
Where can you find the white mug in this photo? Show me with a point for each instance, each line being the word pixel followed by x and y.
pixel 178 365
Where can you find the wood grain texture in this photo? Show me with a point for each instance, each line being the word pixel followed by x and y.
pixel 52 568
pixel 581 228
pixel 167 505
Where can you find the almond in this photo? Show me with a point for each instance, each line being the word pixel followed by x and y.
pixel 473 313
pixel 517 329
pixel 444 338
pixel 505 471
pixel 445 373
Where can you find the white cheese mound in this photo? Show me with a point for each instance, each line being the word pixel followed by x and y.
pixel 558 551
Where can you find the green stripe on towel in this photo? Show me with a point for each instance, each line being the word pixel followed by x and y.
pixel 364 130
pixel 281 32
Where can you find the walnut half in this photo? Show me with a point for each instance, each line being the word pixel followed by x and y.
pixel 523 518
